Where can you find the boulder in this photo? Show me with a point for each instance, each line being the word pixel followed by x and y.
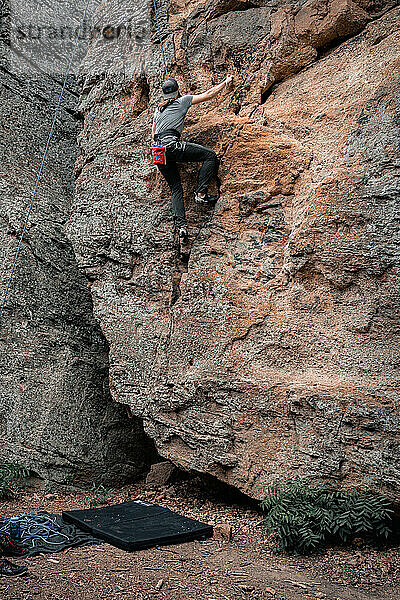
pixel 271 349
pixel 160 474
pixel 57 416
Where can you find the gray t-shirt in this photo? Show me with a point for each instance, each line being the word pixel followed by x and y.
pixel 173 116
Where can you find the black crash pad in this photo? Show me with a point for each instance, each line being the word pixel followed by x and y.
pixel 136 525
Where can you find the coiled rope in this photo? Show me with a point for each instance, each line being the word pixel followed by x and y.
pixel 35 528
pixel 43 159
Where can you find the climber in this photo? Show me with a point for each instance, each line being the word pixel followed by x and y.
pixel 169 150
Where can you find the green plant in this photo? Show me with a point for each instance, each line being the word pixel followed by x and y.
pixel 10 475
pixel 349 572
pixel 303 515
pixel 99 495
pixel 69 479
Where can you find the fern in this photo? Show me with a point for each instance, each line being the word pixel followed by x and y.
pixel 10 475
pixel 304 516
pixel 99 495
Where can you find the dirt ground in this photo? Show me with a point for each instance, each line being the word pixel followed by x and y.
pixel 244 568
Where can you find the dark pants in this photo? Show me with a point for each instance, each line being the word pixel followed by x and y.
pixel 187 152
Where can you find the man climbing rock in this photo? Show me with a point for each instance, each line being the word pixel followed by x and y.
pixel 168 149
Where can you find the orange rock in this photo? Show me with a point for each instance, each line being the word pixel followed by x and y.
pixel 223 532
pixel 271 348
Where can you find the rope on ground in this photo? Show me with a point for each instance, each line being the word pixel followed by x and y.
pixel 43 159
pixel 159 35
pixel 35 528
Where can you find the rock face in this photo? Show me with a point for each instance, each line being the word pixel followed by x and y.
pixel 271 348
pixel 56 413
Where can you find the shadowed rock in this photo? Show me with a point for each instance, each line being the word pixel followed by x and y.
pixel 56 413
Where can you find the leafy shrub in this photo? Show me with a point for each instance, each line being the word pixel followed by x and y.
pixel 10 476
pixel 303 515
pixel 99 495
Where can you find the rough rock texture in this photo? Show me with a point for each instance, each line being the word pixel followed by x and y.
pixel 271 348
pixel 56 413
pixel 160 474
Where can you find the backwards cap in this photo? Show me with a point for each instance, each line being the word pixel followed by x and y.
pixel 170 89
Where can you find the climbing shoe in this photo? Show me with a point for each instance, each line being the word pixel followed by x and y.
pixel 207 199
pixel 8 569
pixel 11 547
pixel 183 233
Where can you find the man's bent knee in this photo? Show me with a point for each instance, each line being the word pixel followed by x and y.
pixel 212 156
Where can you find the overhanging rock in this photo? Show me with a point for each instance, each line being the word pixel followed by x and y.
pixel 273 349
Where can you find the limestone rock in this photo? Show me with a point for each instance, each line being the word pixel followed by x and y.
pixel 160 473
pixel 272 349
pixel 56 413
pixel 223 532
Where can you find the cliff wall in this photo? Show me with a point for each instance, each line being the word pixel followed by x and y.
pixel 271 347
pixel 56 413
